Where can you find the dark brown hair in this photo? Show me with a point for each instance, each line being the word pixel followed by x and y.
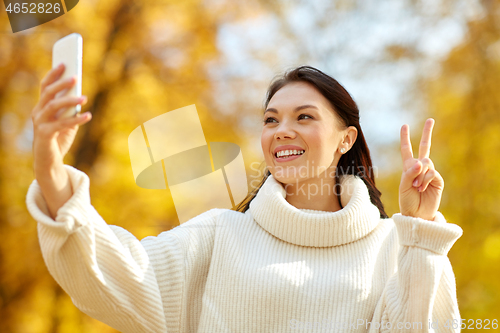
pixel 356 161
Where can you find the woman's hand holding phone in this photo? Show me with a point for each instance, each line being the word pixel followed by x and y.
pixel 54 136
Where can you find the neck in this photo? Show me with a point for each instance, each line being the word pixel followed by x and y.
pixel 313 193
pixel 273 212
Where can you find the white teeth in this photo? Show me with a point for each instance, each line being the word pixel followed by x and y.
pixel 286 153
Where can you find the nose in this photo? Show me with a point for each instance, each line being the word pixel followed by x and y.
pixel 284 131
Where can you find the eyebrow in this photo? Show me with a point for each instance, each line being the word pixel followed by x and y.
pixel 298 108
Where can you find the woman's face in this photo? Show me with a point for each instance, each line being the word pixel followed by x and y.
pixel 300 116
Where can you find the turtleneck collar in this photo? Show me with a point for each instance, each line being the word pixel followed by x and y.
pixel 315 228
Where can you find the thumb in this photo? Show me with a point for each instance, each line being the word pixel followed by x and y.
pixel 411 174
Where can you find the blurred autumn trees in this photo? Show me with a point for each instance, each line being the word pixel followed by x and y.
pixel 145 58
pixel 465 100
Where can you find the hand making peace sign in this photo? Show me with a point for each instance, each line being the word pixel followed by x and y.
pixel 421 185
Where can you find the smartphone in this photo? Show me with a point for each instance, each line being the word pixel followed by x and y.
pixel 68 50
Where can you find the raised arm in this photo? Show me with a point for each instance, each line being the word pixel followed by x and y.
pixel 131 285
pixel 421 295
pixel 53 138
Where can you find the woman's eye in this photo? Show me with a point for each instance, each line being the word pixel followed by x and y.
pixel 305 115
pixel 269 119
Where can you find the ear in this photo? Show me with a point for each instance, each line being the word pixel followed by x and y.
pixel 350 137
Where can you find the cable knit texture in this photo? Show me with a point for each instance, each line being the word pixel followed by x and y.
pixel 274 268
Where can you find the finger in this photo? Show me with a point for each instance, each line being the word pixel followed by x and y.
pixel 406 150
pixel 51 76
pixel 432 176
pixel 425 142
pixel 48 113
pixel 410 175
pixel 64 123
pixel 48 130
pixel 50 91
pixel 427 164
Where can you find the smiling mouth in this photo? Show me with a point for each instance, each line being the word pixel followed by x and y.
pixel 279 155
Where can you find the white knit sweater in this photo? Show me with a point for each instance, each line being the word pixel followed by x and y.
pixel 274 268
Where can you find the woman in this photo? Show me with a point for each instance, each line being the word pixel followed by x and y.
pixel 311 248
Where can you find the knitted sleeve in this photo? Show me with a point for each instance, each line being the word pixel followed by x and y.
pixel 421 295
pixel 131 285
